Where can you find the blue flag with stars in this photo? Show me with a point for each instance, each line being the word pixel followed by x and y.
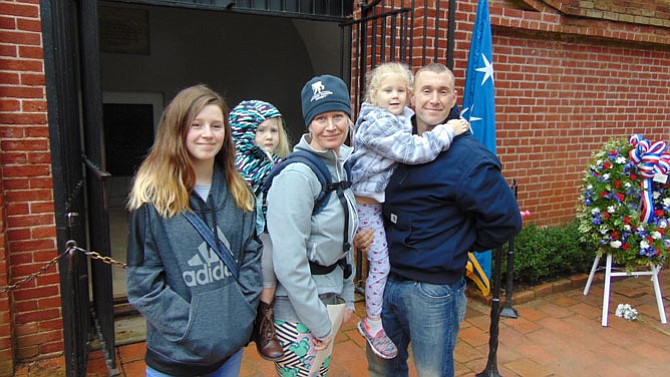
pixel 478 100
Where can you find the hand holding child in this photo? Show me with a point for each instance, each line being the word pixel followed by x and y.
pixel 458 126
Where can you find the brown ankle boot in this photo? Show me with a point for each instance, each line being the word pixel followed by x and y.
pixel 264 334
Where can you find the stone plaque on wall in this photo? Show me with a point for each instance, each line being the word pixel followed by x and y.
pixel 124 30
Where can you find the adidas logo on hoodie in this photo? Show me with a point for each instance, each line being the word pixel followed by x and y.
pixel 207 268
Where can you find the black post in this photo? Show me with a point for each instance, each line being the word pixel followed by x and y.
pixel 491 364
pixel 508 311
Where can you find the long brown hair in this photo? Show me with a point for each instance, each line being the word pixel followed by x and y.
pixel 166 178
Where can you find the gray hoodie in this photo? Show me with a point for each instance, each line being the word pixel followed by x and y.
pixel 197 314
pixel 298 237
pixel 382 140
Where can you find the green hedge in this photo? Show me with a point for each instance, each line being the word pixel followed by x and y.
pixel 548 253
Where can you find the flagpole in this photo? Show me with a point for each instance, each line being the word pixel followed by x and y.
pixel 492 363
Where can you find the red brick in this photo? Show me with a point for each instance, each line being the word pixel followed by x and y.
pixel 21 38
pixel 21 92
pixel 25 269
pixel 31 52
pixel 41 131
pixel 50 348
pixel 25 306
pixel 29 195
pixel 33 106
pixel 36 339
pixel 8 50
pixel 8 23
pixel 23 353
pixel 17 9
pixel 37 316
pixel 31 221
pixel 40 182
pixel 5 342
pixel 44 256
pixel 26 329
pixel 55 324
pixel 21 258
pixel 18 234
pixel 29 25
pixel 39 158
pixel 23 118
pixel 8 78
pixel 44 231
pixel 15 158
pixel 14 209
pixel 135 368
pixel 133 352
pixel 29 294
pixel 23 145
pixel 12 132
pixel 47 279
pixel 31 245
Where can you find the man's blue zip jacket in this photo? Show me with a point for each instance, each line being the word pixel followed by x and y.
pixel 436 212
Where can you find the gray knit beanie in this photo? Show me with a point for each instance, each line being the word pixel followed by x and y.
pixel 322 94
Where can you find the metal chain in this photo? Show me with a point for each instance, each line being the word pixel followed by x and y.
pixel 70 246
pixel 97 256
pixel 32 276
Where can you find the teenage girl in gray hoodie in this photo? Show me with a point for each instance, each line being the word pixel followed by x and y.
pixel 199 315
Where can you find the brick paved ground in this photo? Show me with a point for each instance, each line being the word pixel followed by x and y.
pixel 558 333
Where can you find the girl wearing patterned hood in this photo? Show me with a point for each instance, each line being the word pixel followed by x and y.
pixel 261 142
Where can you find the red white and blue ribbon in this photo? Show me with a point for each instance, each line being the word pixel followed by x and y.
pixel 651 160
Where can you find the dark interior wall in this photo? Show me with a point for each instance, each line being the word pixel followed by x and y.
pixel 242 56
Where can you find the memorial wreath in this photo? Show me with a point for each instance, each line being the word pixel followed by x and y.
pixel 625 202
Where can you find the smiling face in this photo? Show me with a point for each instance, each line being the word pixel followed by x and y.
pixel 267 135
pixel 329 130
pixel 391 94
pixel 433 97
pixel 205 135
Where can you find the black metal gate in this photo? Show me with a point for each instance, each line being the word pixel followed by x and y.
pixel 386 31
pixel 93 158
pixel 72 66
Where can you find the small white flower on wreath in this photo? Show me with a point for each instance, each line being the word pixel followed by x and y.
pixel 626 311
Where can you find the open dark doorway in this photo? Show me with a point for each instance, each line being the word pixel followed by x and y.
pixel 149 53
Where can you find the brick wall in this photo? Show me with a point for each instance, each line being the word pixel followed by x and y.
pixel 565 83
pixel 6 325
pixel 564 86
pixel 28 235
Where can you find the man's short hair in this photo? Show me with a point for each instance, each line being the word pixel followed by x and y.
pixel 436 68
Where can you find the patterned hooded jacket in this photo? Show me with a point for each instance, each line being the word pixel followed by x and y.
pixel 251 160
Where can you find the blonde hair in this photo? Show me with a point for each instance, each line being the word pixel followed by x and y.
pixel 376 77
pixel 166 177
pixel 283 148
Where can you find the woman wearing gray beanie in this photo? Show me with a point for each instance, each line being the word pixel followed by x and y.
pixel 312 256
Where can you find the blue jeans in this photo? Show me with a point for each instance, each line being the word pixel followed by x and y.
pixel 427 315
pixel 231 368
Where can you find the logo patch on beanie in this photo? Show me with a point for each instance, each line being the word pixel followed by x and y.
pixel 320 91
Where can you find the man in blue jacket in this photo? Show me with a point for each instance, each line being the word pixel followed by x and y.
pixel 434 214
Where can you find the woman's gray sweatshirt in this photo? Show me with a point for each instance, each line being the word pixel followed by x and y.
pixel 298 237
